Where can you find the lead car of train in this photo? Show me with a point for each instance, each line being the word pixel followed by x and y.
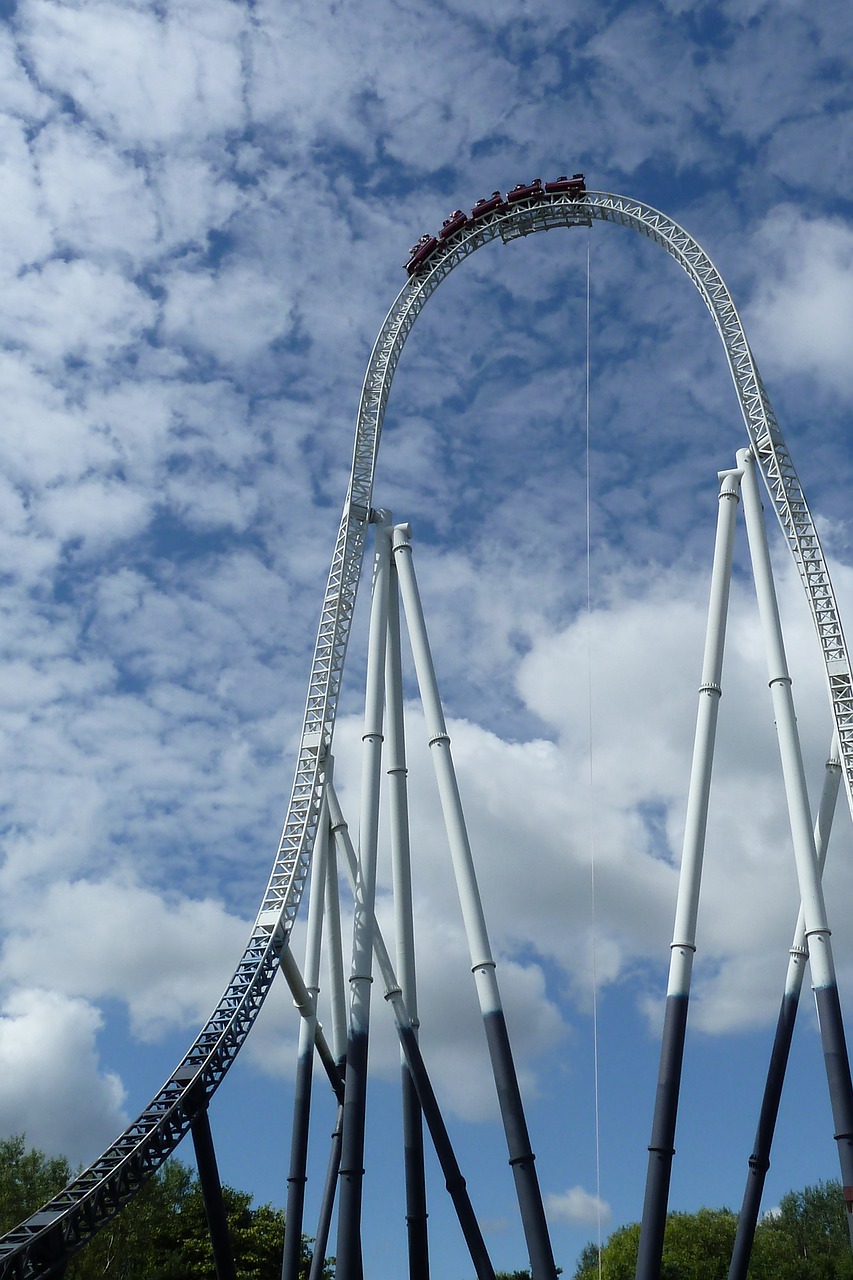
pixel 420 253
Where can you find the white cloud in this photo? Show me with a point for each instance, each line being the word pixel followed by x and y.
pixel 98 200
pixel 792 152
pixel 67 310
pixel 232 316
pixel 150 80
pixel 25 229
pixel 47 438
pixel 579 1206
pixel 192 198
pixel 636 124
pixel 95 512
pixel 801 315
pixel 18 94
pixel 167 960
pixel 52 1086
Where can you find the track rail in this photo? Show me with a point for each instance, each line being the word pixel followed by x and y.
pixel 41 1244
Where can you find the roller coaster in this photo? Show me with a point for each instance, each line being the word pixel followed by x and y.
pixel 41 1245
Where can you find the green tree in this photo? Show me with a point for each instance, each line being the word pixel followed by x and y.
pixel 698 1246
pixel 257 1238
pixel 618 1256
pixel 161 1234
pixel 587 1264
pixel 27 1179
pixel 144 1240
pixel 810 1233
pixel 806 1239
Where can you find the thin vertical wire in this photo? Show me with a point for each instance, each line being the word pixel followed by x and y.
pixel 591 766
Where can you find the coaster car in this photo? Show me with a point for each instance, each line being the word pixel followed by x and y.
pixel 575 185
pixel 489 205
pixel 420 252
pixel 525 189
pixel 456 220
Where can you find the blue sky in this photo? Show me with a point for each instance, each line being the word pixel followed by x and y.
pixel 206 207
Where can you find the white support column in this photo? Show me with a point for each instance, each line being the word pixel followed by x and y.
pixel 408 1040
pixel 759 1160
pixel 482 962
pixel 817 932
pixel 296 1179
pixel 413 1138
pixel 314 931
pixel 796 792
pixel 401 862
pixel 521 1156
pixel 349 1264
pixel 334 947
pixel 799 953
pixel 683 947
pixel 304 1002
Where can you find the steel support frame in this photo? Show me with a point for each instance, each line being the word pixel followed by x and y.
pixel 211 1191
pixel 401 864
pixel 521 1157
pixel 40 1244
pixel 759 1160
pixel 297 1175
pixel 816 925
pixel 351 1173
pixel 811 929
pixel 683 946
pixel 454 1180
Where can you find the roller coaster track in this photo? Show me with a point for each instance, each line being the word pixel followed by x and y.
pixel 41 1245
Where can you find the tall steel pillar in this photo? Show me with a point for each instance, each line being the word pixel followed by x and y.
pixel 413 1134
pixel 327 1203
pixel 817 932
pixel 211 1191
pixel 337 1002
pixel 455 1182
pixel 296 1179
pixel 521 1157
pixel 683 947
pixel 355 1090
pixel 759 1161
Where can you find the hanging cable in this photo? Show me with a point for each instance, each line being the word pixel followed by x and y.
pixel 591 766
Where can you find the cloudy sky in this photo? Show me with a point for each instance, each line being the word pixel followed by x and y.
pixel 205 209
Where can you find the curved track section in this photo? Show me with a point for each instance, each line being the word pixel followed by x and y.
pixel 41 1244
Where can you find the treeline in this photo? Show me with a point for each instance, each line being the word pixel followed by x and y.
pixel 162 1234
pixel 806 1238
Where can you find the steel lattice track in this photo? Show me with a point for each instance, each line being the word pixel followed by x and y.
pixel 41 1245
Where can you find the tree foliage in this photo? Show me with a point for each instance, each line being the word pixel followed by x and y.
pixel 806 1238
pixel 811 1228
pixel 27 1179
pixel 161 1234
